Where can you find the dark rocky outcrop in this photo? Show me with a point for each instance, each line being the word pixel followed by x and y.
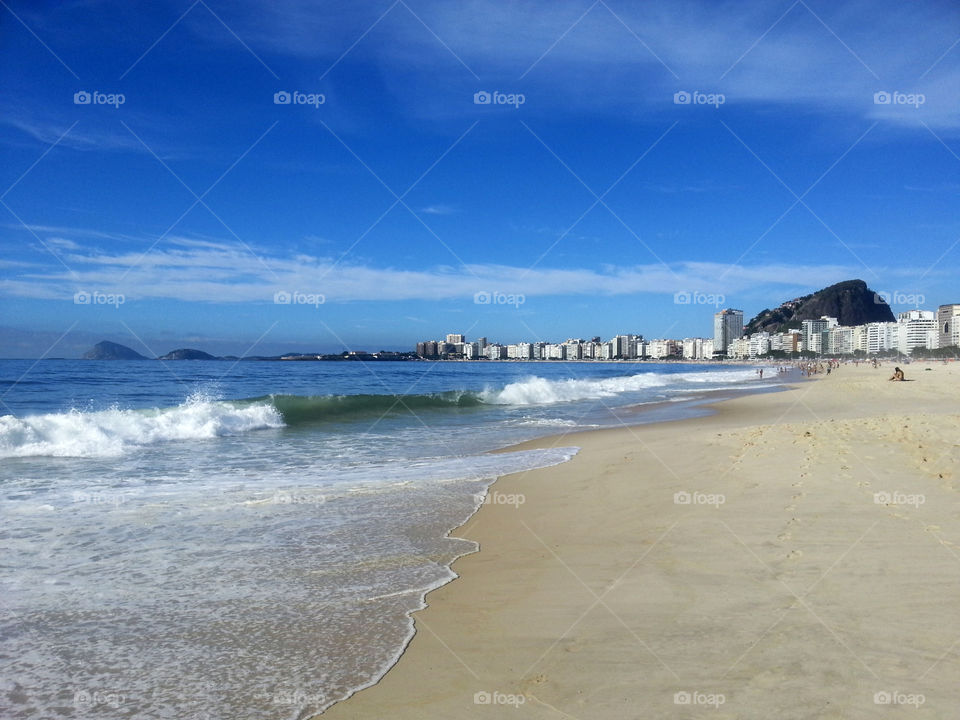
pixel 188 354
pixel 851 302
pixel 112 351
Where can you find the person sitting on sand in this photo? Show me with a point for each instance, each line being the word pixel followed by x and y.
pixel 897 374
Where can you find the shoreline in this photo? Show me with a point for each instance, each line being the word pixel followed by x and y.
pixel 700 405
pixel 459 633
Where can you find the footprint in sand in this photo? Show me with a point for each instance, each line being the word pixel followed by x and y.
pixel 799 496
pixel 783 537
pixel 798 483
pixel 794 554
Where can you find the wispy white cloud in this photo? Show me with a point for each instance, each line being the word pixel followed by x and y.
pixel 211 272
pixel 438 209
pixel 617 55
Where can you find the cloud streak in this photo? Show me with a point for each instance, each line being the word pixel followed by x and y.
pixel 211 272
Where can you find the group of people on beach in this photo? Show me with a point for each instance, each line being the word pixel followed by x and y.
pixel 812 368
pixel 826 366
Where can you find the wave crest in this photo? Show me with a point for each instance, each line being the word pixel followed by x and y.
pixel 112 432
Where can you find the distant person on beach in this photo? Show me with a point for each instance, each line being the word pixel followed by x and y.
pixel 897 374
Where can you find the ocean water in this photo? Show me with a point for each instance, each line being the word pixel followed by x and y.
pixel 201 540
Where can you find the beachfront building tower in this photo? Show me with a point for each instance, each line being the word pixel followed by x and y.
pixel 948 322
pixel 727 327
pixel 815 334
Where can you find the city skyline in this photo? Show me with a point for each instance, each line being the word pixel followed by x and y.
pixel 911 329
pixel 258 180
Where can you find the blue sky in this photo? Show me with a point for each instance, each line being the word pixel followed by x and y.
pixel 183 211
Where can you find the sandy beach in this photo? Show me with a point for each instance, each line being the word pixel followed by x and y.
pixel 792 555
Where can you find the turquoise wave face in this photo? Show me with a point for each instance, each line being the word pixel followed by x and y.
pixel 301 409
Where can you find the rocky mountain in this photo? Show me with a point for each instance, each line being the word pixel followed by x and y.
pixel 188 354
pixel 851 302
pixel 112 351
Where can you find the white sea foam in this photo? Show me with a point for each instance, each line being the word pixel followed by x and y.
pixel 107 433
pixel 541 391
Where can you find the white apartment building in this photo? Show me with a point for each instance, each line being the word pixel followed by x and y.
pixel 840 340
pixel 917 329
pixel 727 327
pixel 659 349
pixel 739 348
pixel 556 352
pixel 813 332
pixel 758 344
pixel 948 325
pixel 882 336
pixel 496 352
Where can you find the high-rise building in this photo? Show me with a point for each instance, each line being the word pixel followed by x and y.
pixel 882 336
pixel 917 329
pixel 815 333
pixel 948 325
pixel 840 341
pixel 727 327
pixel 428 349
pixel 456 338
